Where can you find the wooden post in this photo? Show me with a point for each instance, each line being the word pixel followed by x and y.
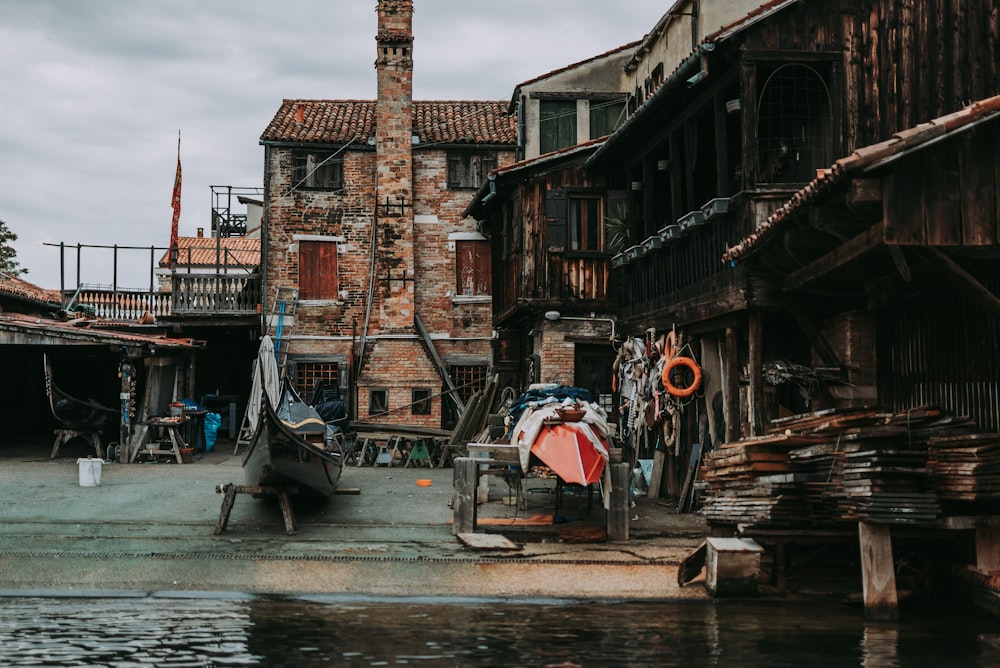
pixel 878 576
pixel 656 477
pixel 756 366
pixel 466 478
pixel 731 387
pixel 618 508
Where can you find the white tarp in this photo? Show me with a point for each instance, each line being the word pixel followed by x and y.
pixel 265 379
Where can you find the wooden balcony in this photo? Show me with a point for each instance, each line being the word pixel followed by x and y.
pixel 192 295
pixel 215 294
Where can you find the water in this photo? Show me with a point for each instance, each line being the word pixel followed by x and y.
pixel 154 631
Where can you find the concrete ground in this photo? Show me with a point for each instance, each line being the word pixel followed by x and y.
pixel 150 527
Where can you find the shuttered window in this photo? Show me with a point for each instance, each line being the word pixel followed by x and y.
pixel 585 217
pixel 606 116
pixel 469 170
pixel 556 124
pixel 320 171
pixel 318 270
pixel 473 268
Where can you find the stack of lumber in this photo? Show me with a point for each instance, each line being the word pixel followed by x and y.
pixel 888 484
pixel 750 482
pixel 842 465
pixel 965 467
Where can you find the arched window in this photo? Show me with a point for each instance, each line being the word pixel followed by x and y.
pixel 794 126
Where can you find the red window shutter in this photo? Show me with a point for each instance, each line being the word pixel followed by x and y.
pixel 318 270
pixel 473 268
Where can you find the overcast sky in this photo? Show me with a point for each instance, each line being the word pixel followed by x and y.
pixel 95 92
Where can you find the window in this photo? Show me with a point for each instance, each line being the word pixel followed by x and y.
pixel 585 216
pixel 794 125
pixel 378 402
pixel 468 379
pixel 310 375
pixel 556 124
pixel 469 170
pixel 321 171
pixel 473 268
pixel 421 401
pixel 605 117
pixel 318 270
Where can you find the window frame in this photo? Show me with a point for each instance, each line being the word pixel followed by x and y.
pixel 421 405
pixel 565 125
pixel 315 257
pixel 577 231
pixel 473 268
pixel 317 170
pixel 469 169
pixel 372 392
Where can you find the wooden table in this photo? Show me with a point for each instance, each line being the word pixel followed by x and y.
pixel 171 426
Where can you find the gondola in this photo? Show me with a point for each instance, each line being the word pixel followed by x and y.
pixel 290 448
pixel 76 414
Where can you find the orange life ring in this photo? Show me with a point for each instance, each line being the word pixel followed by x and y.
pixel 681 392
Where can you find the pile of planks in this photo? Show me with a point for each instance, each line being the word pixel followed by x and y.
pixel 843 465
pixel 750 482
pixel 965 467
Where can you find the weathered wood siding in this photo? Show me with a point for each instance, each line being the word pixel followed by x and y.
pixel 904 62
pixel 947 194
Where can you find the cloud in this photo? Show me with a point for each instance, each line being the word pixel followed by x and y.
pixel 96 92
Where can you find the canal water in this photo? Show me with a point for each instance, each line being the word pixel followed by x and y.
pixel 213 631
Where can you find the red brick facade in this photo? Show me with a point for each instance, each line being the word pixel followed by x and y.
pixel 394 154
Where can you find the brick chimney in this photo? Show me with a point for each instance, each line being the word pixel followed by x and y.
pixel 394 163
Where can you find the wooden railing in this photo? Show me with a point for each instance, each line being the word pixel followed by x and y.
pixel 215 294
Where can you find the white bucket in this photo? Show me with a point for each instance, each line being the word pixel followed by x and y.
pixel 90 471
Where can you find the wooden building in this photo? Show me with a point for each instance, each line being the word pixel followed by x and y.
pixel 743 123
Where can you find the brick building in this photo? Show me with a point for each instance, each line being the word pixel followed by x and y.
pixel 386 287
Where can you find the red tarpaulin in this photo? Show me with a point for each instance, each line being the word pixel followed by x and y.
pixel 569 450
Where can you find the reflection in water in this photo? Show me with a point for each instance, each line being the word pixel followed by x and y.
pixel 270 632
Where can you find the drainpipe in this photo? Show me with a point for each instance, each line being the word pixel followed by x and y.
pixel 492 180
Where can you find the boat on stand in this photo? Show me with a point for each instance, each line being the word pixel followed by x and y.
pixel 292 448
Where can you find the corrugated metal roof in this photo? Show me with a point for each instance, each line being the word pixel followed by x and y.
pixel 84 330
pixel 866 159
pixel 346 121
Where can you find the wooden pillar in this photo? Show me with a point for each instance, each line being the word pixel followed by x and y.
pixel 987 549
pixel 731 387
pixel 466 478
pixel 878 575
pixel 618 508
pixel 755 353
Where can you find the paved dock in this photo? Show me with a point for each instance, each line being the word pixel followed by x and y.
pixel 149 527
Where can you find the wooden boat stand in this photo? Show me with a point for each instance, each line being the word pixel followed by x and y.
pixel 229 492
pixel 64 435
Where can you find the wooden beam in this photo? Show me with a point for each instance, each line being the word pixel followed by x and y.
pixel 438 364
pixel 878 575
pixel 863 191
pixel 964 280
pixel 838 257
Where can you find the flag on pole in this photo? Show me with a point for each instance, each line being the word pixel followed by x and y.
pixel 176 204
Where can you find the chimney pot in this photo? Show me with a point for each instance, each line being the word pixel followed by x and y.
pixel 201 232
pixel 300 113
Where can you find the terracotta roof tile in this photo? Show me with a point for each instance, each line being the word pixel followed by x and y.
pixel 344 121
pixel 201 251
pixel 13 286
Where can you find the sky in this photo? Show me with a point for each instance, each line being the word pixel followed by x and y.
pixel 96 91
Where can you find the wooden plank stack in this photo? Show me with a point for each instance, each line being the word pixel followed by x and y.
pixel 749 482
pixel 965 467
pixel 843 465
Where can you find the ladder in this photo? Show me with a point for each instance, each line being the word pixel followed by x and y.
pixel 286 299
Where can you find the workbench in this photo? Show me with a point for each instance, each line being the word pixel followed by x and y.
pixel 170 426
